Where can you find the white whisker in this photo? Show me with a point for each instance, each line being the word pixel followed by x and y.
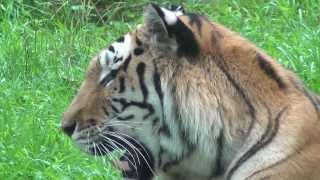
pixel 133 164
pixel 113 142
pixel 135 142
pixel 109 153
pixel 94 151
pixel 123 140
pixel 131 145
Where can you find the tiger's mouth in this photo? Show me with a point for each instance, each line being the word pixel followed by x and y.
pixel 140 163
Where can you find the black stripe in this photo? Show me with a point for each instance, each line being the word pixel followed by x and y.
pixel 252 110
pixel 273 165
pixel 309 94
pixel 164 130
pixel 155 122
pixel 141 70
pixel 142 105
pixel 126 118
pixel 159 156
pixel 187 43
pixel 113 73
pixel 114 108
pixel 122 87
pixel 126 63
pixel 111 48
pixel 138 51
pixel 312 98
pixel 219 169
pixel 151 111
pixel 110 129
pixel 138 41
pixel 115 60
pixel 157 84
pixel 105 110
pixel 270 71
pixel 159 11
pixel 265 139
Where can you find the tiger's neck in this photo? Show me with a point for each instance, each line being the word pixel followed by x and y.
pixel 199 108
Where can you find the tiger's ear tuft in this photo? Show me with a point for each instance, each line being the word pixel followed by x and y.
pixel 159 19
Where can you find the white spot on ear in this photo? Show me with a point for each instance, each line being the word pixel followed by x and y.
pixel 169 16
pixel 178 13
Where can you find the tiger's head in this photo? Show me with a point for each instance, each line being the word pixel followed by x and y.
pixel 126 95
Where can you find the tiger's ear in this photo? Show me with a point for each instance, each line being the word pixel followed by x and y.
pixel 167 32
pixel 159 20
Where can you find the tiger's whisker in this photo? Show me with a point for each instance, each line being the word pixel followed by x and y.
pixel 135 142
pixel 125 156
pixel 113 142
pixel 133 148
pixel 131 145
pixel 144 158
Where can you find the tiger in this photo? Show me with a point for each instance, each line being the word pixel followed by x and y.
pixel 185 98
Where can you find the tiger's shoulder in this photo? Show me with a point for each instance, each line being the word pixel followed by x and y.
pixel 261 110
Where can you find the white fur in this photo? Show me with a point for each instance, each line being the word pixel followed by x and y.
pixel 107 57
pixel 169 16
pixel 173 144
pixel 178 11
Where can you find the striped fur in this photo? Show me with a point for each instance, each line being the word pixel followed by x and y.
pixel 186 98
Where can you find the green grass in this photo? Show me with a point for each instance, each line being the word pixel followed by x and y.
pixel 45 48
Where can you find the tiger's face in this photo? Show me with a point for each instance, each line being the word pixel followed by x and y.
pixel 120 104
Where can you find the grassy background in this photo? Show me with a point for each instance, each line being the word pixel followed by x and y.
pixel 45 47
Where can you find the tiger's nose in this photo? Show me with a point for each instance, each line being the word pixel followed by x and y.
pixel 68 128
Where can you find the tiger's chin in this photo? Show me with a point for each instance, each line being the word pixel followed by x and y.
pixel 136 161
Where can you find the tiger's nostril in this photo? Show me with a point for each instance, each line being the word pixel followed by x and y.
pixel 69 128
pixel 92 122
